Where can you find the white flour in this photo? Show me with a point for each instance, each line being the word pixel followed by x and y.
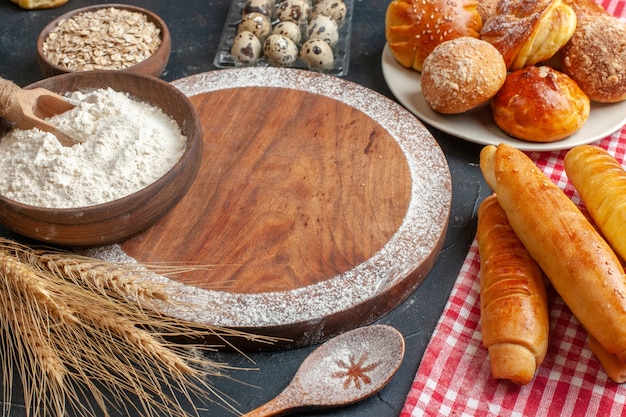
pixel 122 146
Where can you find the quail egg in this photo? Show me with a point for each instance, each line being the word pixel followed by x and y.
pixel 324 28
pixel 293 10
pixel 280 50
pixel 265 7
pixel 246 48
pixel 290 30
pixel 317 53
pixel 335 9
pixel 257 23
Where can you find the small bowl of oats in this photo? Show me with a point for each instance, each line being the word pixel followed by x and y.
pixel 116 37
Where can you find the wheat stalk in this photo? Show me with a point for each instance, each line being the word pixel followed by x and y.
pixel 71 324
pixel 100 276
pixel 27 284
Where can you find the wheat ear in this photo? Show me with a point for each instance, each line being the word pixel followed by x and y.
pixel 84 323
pixel 26 283
pixel 125 280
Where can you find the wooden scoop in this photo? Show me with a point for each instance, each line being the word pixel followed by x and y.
pixel 28 108
pixel 342 371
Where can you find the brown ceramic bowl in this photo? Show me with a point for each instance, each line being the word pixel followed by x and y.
pixel 153 65
pixel 120 219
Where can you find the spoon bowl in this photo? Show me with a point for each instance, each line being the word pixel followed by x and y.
pixel 346 369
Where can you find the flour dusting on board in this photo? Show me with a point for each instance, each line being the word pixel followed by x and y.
pixel 420 233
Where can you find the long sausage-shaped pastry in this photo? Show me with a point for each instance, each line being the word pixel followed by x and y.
pixel 579 263
pixel 513 301
pixel 614 368
pixel 601 182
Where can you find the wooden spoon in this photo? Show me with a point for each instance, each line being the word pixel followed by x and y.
pixel 342 371
pixel 28 108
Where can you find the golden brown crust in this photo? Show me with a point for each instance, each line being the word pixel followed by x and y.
pixel 39 4
pixel 461 74
pixel 513 300
pixel 595 57
pixel 601 182
pixel 586 8
pixel 413 28
pixel 486 9
pixel 612 365
pixel 540 104
pixel 529 32
pixel 579 263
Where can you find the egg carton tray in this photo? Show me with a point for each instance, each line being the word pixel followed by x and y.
pixel 341 51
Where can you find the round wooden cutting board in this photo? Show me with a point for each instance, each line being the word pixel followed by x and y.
pixel 320 206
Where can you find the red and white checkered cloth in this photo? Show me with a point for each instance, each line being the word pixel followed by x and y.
pixel 454 377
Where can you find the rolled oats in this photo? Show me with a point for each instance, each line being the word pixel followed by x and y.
pixel 108 38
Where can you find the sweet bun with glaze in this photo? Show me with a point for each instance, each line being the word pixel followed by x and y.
pixel 413 28
pixel 595 57
pixel 461 74
pixel 529 32
pixel 540 104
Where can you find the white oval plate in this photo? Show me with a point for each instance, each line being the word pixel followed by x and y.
pixel 478 126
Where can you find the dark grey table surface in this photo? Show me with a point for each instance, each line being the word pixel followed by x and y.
pixel 196 26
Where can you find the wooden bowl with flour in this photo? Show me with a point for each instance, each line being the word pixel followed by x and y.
pixel 113 220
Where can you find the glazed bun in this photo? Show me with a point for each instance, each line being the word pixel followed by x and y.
pixel 413 28
pixel 540 104
pixel 529 32
pixel 461 74
pixel 595 57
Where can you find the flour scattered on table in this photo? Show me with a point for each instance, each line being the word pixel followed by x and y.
pixel 123 145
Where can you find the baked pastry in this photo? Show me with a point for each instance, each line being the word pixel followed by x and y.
pixel 529 32
pixel 414 27
pixel 513 300
pixel 601 182
pixel 461 74
pixel 581 266
pixel 595 57
pixel 612 365
pixel 540 104
pixel 586 8
pixel 39 4
pixel 486 9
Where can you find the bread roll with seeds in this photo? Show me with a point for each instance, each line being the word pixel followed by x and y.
pixel 461 74
pixel 413 28
pixel 595 57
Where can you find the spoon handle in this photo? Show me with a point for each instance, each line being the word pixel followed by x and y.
pixel 25 107
pixel 266 410
pixel 278 406
pixel 7 93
